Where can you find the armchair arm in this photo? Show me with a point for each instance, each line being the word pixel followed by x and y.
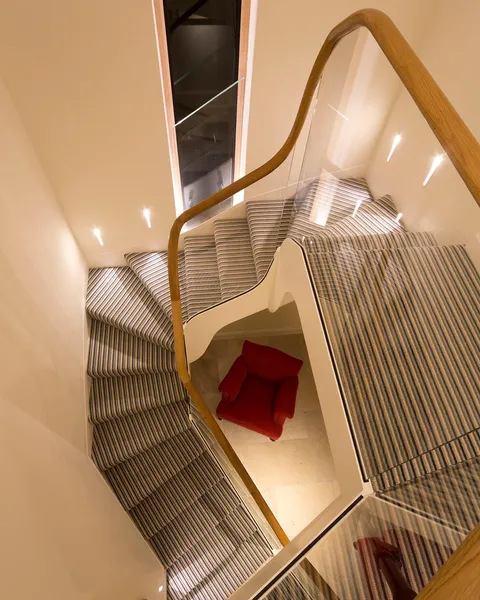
pixel 284 406
pixel 233 380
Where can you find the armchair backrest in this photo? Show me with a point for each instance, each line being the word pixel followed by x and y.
pixel 270 363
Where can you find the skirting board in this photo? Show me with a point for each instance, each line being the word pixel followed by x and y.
pixel 256 333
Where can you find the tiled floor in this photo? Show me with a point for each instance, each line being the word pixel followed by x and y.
pixel 295 474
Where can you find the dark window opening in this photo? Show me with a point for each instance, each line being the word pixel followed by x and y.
pixel 203 45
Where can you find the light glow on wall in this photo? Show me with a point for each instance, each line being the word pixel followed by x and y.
pixel 146 214
pixel 435 164
pixel 97 233
pixel 396 140
pixel 339 113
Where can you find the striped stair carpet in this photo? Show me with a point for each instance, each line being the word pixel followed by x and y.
pixel 455 452
pixel 345 560
pixel 165 473
pixel 404 328
pixel 449 494
pixel 268 222
pixel 324 203
pixel 295 586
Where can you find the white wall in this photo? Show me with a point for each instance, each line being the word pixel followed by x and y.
pixel 445 206
pixel 62 532
pixel 284 321
pixel 286 45
pixel 85 79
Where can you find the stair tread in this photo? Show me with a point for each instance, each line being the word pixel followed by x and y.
pixel 372 218
pixel 175 495
pixel 450 494
pixel 325 202
pixel 377 241
pixel 115 397
pixel 404 327
pixel 235 257
pixel 117 297
pixel 451 453
pixel 152 269
pixel 268 222
pixel 201 268
pixel 288 589
pixel 120 439
pixel 233 572
pixel 115 353
pixel 196 522
pixel 223 540
pixel 136 478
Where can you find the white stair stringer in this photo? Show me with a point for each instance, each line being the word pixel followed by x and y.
pixel 288 280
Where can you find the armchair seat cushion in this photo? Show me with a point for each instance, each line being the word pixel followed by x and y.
pixel 253 407
pixel 259 391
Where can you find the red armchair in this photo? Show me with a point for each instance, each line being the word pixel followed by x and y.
pixel 260 390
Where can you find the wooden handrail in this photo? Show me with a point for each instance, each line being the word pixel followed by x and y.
pixel 459 577
pixel 450 130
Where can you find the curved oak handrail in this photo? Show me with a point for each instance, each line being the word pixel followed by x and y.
pixel 450 130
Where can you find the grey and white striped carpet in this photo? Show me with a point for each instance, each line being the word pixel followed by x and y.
pixel 450 495
pixel 268 221
pixel 403 320
pixel 346 562
pixel 164 473
pixel 289 588
pixel 120 439
pixel 405 329
pixel 136 478
pixel 235 257
pixel 152 270
pixel 325 202
pixel 455 452
pixel 202 277
pixel 114 353
pixel 114 397
pixel 117 297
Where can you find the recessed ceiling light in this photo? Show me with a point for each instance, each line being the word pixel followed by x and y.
pixel 435 164
pixel 160 588
pixel 146 214
pixel 396 140
pixel 97 233
pixel 398 217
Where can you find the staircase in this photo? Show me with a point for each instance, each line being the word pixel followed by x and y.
pixel 404 327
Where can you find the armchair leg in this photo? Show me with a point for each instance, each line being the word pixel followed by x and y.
pixel 272 440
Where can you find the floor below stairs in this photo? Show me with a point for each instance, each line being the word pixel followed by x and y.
pixel 295 474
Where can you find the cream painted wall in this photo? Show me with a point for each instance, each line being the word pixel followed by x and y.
pixel 286 46
pixel 444 206
pixel 282 322
pixel 62 532
pixel 42 304
pixel 85 79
